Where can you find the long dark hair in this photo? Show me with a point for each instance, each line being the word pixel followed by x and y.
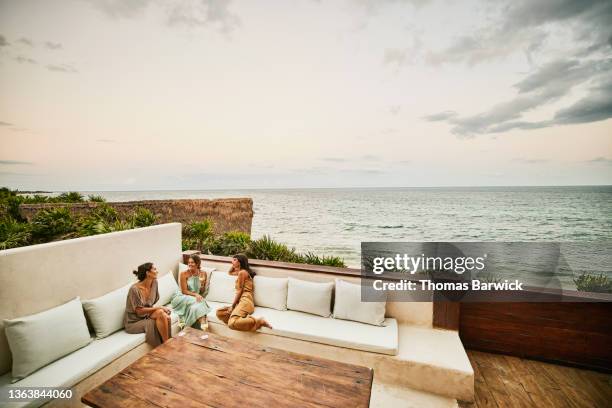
pixel 244 264
pixel 196 259
pixel 141 272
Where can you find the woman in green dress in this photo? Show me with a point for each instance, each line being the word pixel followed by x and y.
pixel 188 301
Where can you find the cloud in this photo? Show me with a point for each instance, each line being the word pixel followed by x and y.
pixel 121 8
pixel 25 60
pixel 204 13
pixel 3 42
pixel 334 159
pixel 594 107
pixel 530 161
pixel 395 109
pixel 545 85
pixel 372 7
pixel 524 25
pixel 106 141
pixel 440 116
pixel 395 56
pixel 482 47
pixel 62 68
pixel 370 157
pixel 15 162
pixel 53 46
pixel 25 41
pixel 5 123
pixel 191 13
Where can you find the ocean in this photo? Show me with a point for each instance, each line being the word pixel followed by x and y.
pixel 336 221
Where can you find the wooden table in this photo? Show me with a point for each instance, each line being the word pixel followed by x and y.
pixel 188 371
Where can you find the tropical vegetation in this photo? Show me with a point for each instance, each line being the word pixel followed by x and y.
pixel 593 283
pixel 57 223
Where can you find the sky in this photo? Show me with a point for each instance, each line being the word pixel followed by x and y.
pixel 209 94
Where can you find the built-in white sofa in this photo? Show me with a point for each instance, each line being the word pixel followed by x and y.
pixel 37 278
pixel 404 350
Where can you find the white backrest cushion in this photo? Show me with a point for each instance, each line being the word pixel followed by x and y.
pixel 222 287
pixel 310 297
pixel 44 337
pixel 271 292
pixel 348 305
pixel 166 286
pixel 106 313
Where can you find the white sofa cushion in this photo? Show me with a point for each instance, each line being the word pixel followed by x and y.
pixel 166 286
pixel 348 305
pixel 324 330
pixel 310 297
pixel 222 287
pixel 69 370
pixel 271 292
pixel 106 313
pixel 44 337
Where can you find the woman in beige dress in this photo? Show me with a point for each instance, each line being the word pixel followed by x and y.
pixel 238 316
pixel 140 314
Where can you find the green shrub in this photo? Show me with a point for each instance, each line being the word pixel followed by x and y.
pixel 267 249
pixel 200 234
pixel 100 220
pixel 35 199
pixel 593 283
pixel 12 207
pixel 143 217
pixel 96 198
pixel 53 223
pixel 70 197
pixel 230 243
pixel 326 260
pixel 14 234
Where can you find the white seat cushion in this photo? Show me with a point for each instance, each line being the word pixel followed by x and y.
pixel 78 365
pixel 325 330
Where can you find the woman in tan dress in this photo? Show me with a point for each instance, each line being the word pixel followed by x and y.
pixel 238 316
pixel 140 314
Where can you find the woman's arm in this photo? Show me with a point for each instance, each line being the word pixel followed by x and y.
pixel 241 278
pixel 143 311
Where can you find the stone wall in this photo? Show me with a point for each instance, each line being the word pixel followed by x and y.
pixel 227 214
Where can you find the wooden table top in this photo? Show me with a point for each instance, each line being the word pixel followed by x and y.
pixel 189 371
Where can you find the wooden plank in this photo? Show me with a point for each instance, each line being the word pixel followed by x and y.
pixel 534 329
pixel 217 390
pixel 269 376
pixel 220 372
pixel 108 395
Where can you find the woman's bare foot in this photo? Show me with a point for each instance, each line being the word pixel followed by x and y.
pixel 261 322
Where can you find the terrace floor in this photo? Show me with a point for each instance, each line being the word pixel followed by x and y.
pixel 504 381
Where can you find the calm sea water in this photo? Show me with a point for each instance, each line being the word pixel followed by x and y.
pixel 336 221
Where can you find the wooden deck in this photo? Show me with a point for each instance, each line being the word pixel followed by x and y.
pixel 505 381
